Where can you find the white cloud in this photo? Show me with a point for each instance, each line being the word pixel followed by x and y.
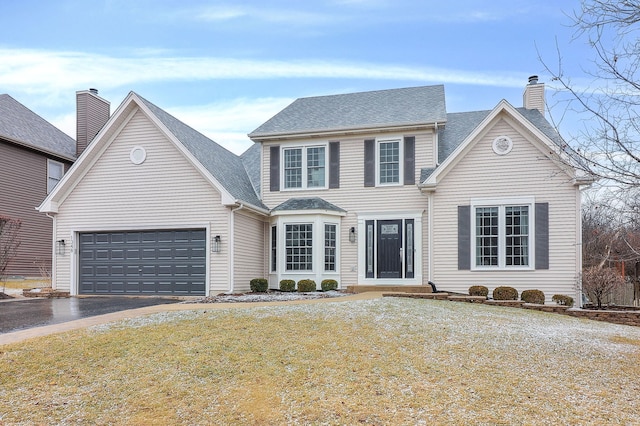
pixel 229 122
pixel 52 73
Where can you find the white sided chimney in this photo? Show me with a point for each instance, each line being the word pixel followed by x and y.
pixel 533 96
pixel 92 113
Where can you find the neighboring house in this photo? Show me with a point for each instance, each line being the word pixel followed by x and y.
pixel 34 155
pixel 373 188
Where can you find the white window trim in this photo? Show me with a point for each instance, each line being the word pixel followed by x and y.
pixel 304 148
pixel 314 249
pixel 501 204
pixel 337 247
pixel 57 163
pixel 400 140
pixel 317 273
pixel 363 217
pixel 273 259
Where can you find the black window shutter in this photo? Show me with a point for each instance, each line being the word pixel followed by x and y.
pixel 370 162
pixel 334 164
pixel 464 237
pixel 274 175
pixel 542 236
pixel 410 160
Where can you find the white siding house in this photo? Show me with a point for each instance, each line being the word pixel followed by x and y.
pixel 374 188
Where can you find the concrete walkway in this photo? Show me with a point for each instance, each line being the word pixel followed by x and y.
pixel 22 335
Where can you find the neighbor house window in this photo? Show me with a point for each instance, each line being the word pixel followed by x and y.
pixel 305 167
pixel 55 170
pixel 389 162
pixel 502 236
pixel 329 247
pixel 299 247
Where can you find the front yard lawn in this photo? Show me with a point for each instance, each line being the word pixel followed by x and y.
pixel 383 361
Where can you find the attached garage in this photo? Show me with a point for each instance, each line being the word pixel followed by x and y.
pixel 149 262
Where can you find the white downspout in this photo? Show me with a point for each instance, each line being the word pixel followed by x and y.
pixel 436 143
pixel 53 252
pixel 430 236
pixel 231 247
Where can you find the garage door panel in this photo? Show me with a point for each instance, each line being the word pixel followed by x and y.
pixel 145 262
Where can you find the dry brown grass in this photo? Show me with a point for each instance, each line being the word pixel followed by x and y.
pixel 387 361
pixel 25 283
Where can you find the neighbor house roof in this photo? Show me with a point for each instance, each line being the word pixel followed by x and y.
pixel 225 166
pixel 20 125
pixel 364 110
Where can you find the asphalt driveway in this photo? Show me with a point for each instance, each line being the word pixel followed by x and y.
pixel 18 315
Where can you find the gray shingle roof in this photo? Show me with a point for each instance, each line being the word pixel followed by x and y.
pixel 251 160
pixel 313 203
pixel 224 165
pixel 363 110
pixel 21 125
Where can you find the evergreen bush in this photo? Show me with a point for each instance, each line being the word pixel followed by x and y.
pixel 306 286
pixel 532 296
pixel 259 285
pixel 287 285
pixel 505 293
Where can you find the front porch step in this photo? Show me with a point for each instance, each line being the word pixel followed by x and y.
pixel 390 288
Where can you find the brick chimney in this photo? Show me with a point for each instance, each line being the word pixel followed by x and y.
pixel 92 112
pixel 533 96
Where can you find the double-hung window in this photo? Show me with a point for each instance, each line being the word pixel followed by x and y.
pixel 329 247
pixel 55 170
pixel 299 247
pixel 503 236
pixel 389 164
pixel 305 167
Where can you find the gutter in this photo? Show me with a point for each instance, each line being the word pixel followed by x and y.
pixel 344 131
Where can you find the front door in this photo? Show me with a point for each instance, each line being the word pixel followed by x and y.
pixel 389 259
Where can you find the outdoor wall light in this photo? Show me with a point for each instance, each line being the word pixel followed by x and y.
pixel 216 244
pixel 352 235
pixel 60 247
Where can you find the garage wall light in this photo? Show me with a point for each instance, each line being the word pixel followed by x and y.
pixel 60 247
pixel 352 235
pixel 215 247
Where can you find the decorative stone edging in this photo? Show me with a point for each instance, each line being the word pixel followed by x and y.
pixel 44 292
pixel 624 317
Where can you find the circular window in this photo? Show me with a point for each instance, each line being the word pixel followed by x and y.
pixel 138 155
pixel 502 145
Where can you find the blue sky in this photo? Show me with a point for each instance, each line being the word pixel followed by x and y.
pixel 225 67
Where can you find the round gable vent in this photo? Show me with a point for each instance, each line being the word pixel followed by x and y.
pixel 137 155
pixel 502 145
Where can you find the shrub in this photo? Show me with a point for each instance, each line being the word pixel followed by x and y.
pixel 532 296
pixel 505 293
pixel 259 285
pixel 305 286
pixel 562 299
pixel 287 285
pixel 328 285
pixel 478 290
pixel 599 283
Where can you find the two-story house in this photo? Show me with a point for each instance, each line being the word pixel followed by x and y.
pixel 372 188
pixel 34 155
